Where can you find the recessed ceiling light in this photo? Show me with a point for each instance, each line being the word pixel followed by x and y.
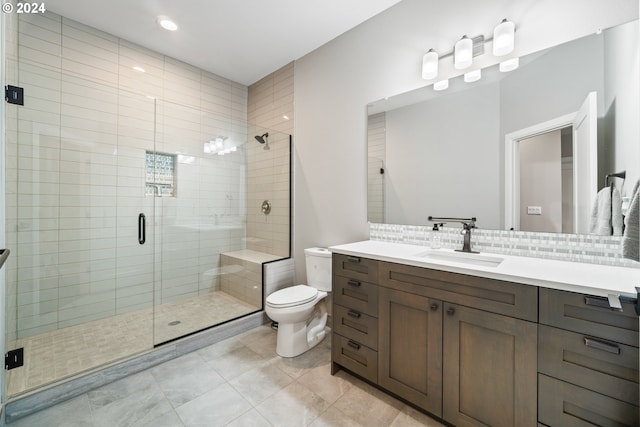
pixel 166 23
pixel 138 69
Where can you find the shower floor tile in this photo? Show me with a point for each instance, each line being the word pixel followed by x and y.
pixel 55 355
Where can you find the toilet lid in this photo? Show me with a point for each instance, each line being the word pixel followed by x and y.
pixel 294 295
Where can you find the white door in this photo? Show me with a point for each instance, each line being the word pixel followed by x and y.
pixel 585 162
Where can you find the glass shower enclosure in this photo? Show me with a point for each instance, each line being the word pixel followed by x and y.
pixel 132 221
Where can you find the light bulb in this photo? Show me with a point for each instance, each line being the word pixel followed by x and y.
pixel 463 53
pixel 509 65
pixel 441 85
pixel 472 76
pixel 430 65
pixel 503 38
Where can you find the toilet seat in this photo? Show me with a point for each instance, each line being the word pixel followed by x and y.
pixel 292 296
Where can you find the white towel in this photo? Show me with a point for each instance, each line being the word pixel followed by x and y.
pixel 631 238
pixel 606 215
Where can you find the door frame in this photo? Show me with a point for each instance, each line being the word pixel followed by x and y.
pixel 512 164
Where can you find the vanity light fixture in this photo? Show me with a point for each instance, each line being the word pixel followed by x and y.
pixel 441 85
pixel 430 65
pixel 503 38
pixel 468 48
pixel 166 23
pixel 138 69
pixel 463 53
pixel 473 76
pixel 509 65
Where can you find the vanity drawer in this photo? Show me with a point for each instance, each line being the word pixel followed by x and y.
pixel 355 294
pixel 605 367
pixel 582 313
pixel 355 267
pixel 497 296
pixel 566 405
pixel 355 356
pixel 355 325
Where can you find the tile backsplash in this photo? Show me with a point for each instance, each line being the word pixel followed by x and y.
pixel 604 250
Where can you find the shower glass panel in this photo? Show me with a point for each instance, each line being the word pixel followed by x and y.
pixel 80 285
pixel 211 236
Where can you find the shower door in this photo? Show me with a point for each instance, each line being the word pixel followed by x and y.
pixel 80 283
pixel 201 221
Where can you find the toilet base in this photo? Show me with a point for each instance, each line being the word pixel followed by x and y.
pixel 293 339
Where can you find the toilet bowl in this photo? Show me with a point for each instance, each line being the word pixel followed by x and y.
pixel 301 310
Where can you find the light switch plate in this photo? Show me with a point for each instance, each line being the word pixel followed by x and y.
pixel 534 210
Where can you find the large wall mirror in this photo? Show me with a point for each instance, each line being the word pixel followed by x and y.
pixel 451 153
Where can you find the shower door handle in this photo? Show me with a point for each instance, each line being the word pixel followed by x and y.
pixel 142 229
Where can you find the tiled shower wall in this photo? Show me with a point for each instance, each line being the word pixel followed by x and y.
pixel 270 107
pixel 605 250
pixel 376 150
pixel 75 175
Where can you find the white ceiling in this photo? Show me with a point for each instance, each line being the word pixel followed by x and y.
pixel 242 40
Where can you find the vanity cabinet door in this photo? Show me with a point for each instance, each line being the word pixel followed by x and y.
pixel 490 364
pixel 410 348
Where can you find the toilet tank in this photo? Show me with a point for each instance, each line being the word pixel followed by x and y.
pixel 318 268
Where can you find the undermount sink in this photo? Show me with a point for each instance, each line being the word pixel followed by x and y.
pixel 462 258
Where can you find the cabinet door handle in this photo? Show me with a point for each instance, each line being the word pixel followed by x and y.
pixel 353 314
pixel 353 259
pixel 451 311
pixel 434 306
pixel 353 345
pixel 354 283
pixel 600 345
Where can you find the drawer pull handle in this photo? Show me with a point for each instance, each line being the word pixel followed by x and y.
pixel 353 259
pixel 353 345
pixel 599 345
pixel 601 303
pixel 354 283
pixel 353 314
pixel 434 306
pixel 451 311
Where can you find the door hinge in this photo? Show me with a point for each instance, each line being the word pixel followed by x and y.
pixel 14 358
pixel 14 95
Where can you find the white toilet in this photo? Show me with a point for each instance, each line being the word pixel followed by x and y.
pixel 301 310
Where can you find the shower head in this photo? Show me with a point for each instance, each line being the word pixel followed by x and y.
pixel 262 139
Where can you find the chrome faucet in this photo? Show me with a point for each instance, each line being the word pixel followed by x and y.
pixel 467 225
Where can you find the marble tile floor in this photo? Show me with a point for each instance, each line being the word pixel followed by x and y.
pixel 236 382
pixel 59 354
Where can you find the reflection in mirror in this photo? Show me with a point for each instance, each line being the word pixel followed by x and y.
pixel 443 153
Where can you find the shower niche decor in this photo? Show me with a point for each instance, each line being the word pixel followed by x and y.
pixel 160 174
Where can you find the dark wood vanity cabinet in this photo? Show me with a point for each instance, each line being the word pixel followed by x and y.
pixel 474 352
pixel 485 332
pixel 462 348
pixel 489 368
pixel 355 316
pixel 588 361
pixel 410 350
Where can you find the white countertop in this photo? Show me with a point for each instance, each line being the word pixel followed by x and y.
pixel 569 276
